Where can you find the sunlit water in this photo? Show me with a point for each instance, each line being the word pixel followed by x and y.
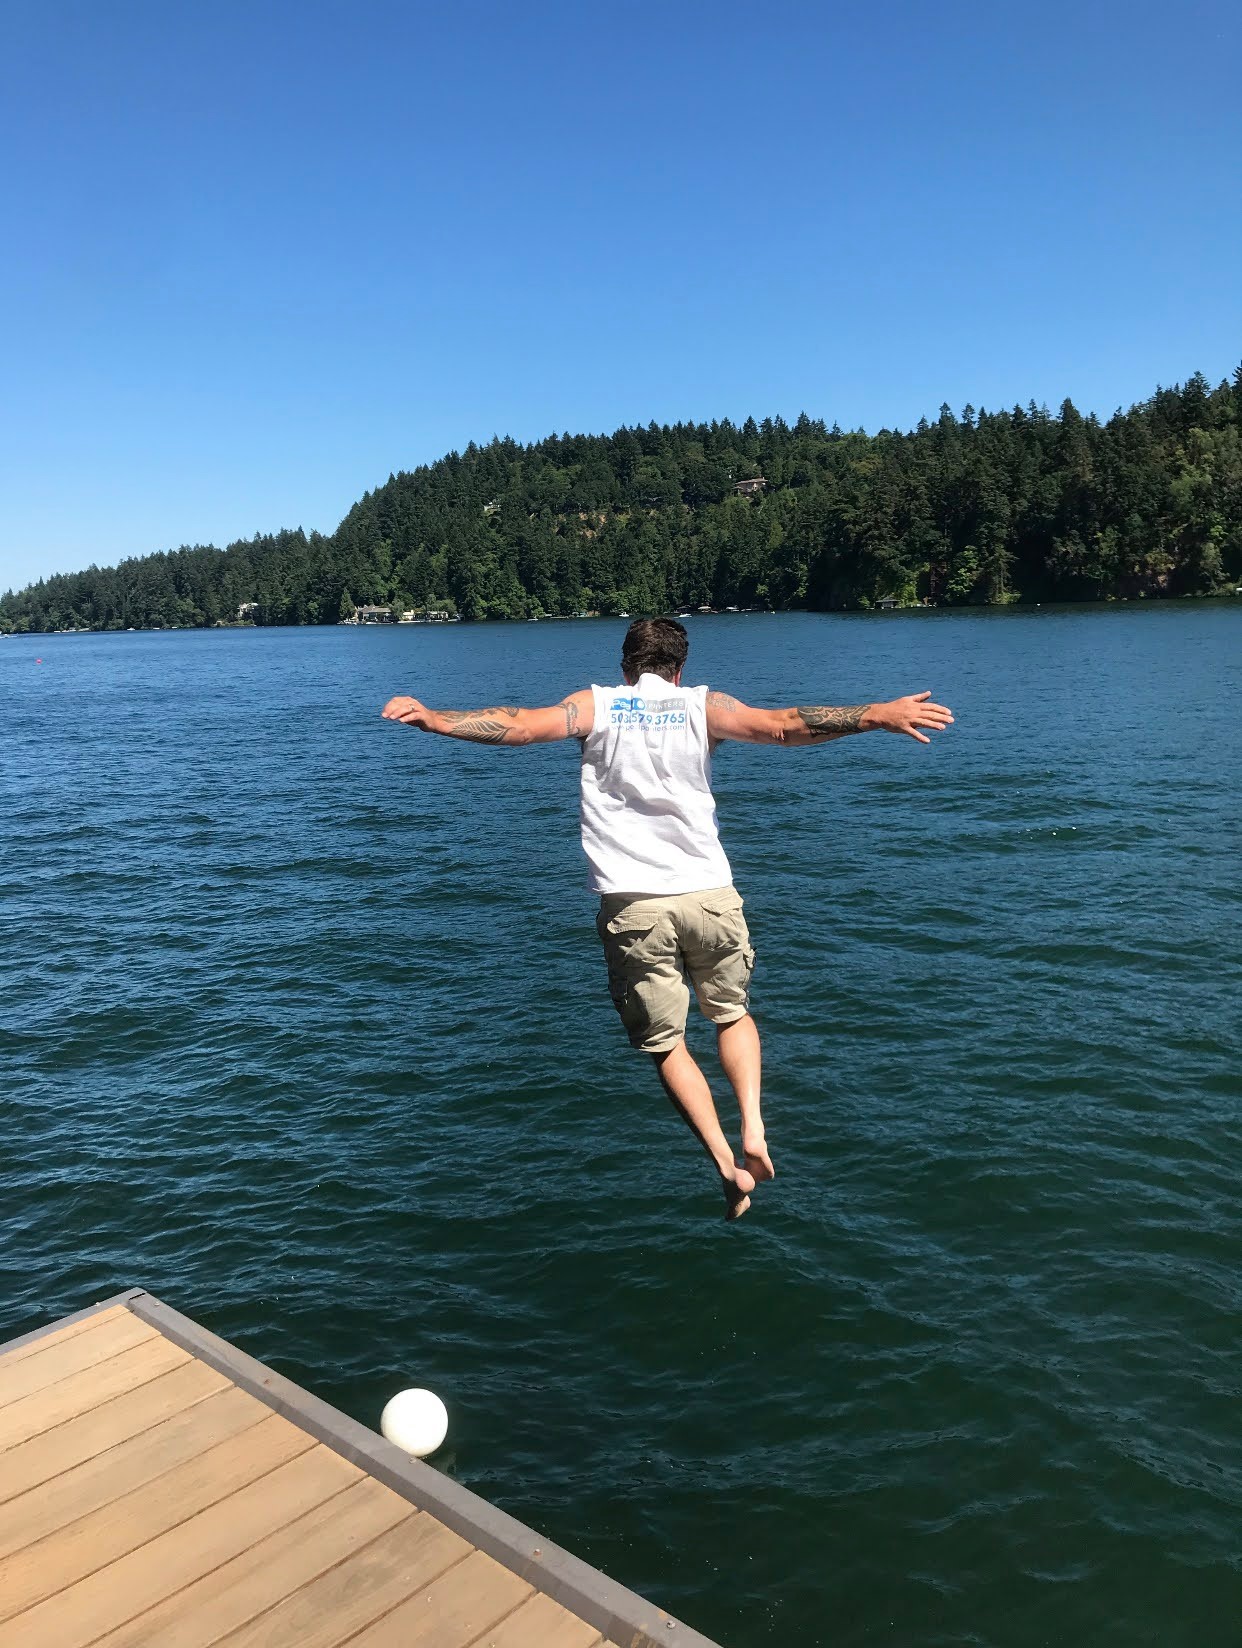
pixel 305 1030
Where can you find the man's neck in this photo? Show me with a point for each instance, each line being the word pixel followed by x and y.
pixel 672 680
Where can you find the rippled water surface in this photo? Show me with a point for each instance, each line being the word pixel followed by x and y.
pixel 304 1029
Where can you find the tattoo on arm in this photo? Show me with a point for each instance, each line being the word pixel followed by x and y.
pixel 571 718
pixel 722 701
pixel 828 721
pixel 481 726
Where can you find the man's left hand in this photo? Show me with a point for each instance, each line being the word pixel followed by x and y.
pixel 406 710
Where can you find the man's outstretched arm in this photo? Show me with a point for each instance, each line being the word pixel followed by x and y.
pixel 820 723
pixel 573 717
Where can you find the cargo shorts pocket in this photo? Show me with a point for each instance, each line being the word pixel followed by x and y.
pixel 645 979
pixel 626 937
pixel 721 969
pixel 724 924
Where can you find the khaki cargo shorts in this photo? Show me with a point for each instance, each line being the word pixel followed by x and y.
pixel 656 947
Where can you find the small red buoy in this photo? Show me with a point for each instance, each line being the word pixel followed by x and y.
pixel 38 660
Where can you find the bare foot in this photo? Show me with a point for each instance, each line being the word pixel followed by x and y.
pixel 737 1192
pixel 755 1155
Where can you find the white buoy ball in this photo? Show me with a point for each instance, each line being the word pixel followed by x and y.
pixel 416 1421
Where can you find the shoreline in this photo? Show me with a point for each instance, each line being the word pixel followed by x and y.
pixel 1151 602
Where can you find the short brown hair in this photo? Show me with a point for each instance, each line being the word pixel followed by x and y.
pixel 656 646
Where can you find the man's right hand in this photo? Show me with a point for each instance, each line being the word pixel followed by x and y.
pixel 907 715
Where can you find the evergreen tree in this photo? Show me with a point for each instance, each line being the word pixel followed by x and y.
pixel 971 509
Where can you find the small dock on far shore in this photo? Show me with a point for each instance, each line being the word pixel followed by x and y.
pixel 161 1489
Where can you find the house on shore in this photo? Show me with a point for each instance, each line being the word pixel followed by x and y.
pixel 375 615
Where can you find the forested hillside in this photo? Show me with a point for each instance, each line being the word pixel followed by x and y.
pixel 979 507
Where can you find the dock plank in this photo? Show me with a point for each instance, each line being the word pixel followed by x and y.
pixel 58 1360
pixel 453 1611
pixel 332 1608
pixel 161 1489
pixel 99 1538
pixel 114 1421
pixel 98 1482
pixel 57 1335
pixel 43 1409
pixel 252 1583
pixel 540 1623
pixel 84 1611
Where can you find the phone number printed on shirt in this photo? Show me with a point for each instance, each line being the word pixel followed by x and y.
pixel 642 712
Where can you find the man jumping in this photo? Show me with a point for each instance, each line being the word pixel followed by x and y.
pixel 669 914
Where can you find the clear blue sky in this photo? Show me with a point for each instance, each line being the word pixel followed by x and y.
pixel 259 255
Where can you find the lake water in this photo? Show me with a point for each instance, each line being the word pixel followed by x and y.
pixel 305 1030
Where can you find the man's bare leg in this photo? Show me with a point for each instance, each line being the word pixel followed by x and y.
pixel 742 1062
pixel 687 1086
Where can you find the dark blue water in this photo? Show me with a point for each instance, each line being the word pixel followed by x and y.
pixel 304 1029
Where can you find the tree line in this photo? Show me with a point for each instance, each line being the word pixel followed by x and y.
pixel 975 508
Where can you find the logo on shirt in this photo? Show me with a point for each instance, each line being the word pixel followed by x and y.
pixel 637 711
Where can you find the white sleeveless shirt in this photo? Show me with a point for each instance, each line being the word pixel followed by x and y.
pixel 648 816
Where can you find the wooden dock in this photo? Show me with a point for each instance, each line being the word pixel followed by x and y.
pixel 160 1487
